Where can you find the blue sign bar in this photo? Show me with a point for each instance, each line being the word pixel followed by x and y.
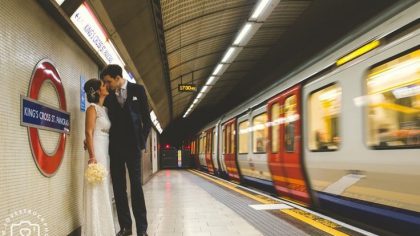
pixel 38 115
pixel 82 94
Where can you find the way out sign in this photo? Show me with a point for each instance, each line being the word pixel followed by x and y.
pixel 187 88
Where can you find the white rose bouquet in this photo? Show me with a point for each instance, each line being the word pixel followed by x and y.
pixel 95 173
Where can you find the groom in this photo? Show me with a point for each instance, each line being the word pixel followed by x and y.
pixel 128 111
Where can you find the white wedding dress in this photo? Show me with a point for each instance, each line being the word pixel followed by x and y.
pixel 98 217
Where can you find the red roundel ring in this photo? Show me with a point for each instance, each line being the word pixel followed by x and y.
pixel 47 164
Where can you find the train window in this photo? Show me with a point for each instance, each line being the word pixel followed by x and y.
pixel 393 112
pixel 275 127
pixel 243 137
pixel 259 133
pixel 324 110
pixel 290 118
pixel 232 139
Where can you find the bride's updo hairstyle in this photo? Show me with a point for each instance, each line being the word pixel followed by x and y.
pixel 91 88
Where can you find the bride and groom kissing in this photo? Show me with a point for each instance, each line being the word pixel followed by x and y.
pixel 116 129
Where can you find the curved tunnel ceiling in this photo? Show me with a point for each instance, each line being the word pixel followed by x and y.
pixel 170 42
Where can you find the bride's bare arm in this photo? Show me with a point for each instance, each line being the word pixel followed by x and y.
pixel 89 127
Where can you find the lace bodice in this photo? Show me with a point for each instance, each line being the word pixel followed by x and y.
pixel 103 123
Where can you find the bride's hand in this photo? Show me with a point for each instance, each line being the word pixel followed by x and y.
pixel 92 161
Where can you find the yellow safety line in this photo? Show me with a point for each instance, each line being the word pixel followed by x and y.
pixel 314 223
pixel 232 188
pixel 290 212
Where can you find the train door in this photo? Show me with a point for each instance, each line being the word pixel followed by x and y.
pixel 244 143
pixel 208 150
pixel 194 152
pixel 222 151
pixel 202 151
pixel 214 152
pixel 230 150
pixel 284 151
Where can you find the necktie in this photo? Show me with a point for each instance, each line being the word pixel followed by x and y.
pixel 120 97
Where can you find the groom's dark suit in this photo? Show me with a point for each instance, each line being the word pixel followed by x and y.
pixel 130 126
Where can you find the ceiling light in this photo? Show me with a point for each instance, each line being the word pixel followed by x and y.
pixel 210 80
pixel 217 70
pixel 259 9
pixel 204 89
pixel 59 2
pixel 242 34
pixel 228 55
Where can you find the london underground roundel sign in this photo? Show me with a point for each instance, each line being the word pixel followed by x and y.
pixel 37 115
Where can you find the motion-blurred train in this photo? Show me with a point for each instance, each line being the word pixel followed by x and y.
pixel 341 135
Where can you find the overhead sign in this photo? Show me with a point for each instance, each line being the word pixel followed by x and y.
pixel 187 88
pixel 88 25
pixel 36 115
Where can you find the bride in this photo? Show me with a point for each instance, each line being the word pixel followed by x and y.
pixel 97 210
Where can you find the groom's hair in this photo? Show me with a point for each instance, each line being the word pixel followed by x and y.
pixel 91 89
pixel 112 70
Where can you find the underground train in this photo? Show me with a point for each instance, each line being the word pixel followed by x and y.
pixel 341 135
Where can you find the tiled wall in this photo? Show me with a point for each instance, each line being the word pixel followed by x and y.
pixel 27 35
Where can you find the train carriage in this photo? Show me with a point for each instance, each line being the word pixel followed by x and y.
pixel 342 133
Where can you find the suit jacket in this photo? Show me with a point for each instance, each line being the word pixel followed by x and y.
pixel 138 109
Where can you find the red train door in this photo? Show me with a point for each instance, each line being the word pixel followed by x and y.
pixel 196 153
pixel 284 151
pixel 229 147
pixel 209 144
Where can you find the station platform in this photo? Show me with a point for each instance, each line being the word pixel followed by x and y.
pixel 188 202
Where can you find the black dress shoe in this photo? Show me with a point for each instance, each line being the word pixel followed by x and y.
pixel 124 232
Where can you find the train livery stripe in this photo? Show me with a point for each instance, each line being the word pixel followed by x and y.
pixel 384 217
pixel 258 180
pixel 291 212
pixel 288 180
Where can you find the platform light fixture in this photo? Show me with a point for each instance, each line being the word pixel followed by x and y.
pixel 155 122
pixel 210 80
pixel 262 5
pixel 203 90
pixel 245 29
pixel 228 55
pixel 59 2
pixel 218 68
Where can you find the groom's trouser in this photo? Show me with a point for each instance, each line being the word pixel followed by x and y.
pixel 118 175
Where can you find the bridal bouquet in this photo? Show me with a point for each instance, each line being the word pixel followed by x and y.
pixel 95 173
